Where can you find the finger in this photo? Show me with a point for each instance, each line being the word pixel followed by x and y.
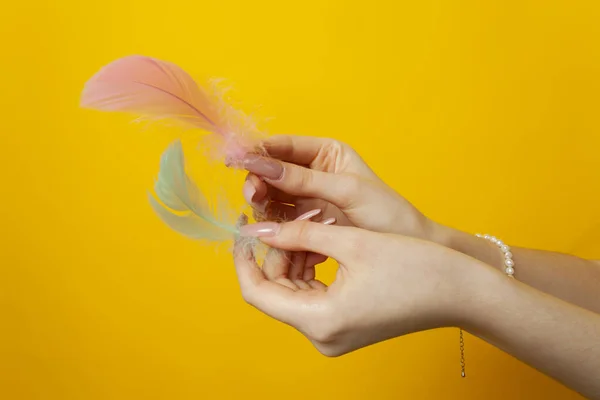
pixel 339 189
pixel 313 259
pixel 271 298
pixel 303 285
pixel 317 285
pixel 307 281
pixel 310 264
pixel 256 190
pixel 310 271
pixel 301 150
pixel 296 272
pixel 297 266
pixel 249 274
pixel 339 242
pixel 276 266
pixel 265 200
pixel 255 193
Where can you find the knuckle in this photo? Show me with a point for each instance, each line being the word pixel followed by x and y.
pixel 337 145
pixel 305 178
pixel 331 151
pixel 334 144
pixel 304 233
pixel 296 179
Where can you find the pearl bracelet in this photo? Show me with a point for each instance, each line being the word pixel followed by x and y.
pixel 509 264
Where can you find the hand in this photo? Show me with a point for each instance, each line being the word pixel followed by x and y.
pixel 305 173
pixel 386 285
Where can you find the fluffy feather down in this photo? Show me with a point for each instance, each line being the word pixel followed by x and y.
pixel 157 90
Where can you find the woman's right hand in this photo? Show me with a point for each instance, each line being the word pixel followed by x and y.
pixel 299 174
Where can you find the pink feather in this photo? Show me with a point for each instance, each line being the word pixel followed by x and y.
pixel 155 90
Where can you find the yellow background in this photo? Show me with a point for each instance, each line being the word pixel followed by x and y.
pixel 484 114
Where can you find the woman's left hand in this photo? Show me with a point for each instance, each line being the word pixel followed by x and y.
pixel 389 285
pixel 386 285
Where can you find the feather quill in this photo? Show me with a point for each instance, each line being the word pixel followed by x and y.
pixel 183 207
pixel 157 90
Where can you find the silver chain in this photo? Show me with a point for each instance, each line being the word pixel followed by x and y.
pixel 462 354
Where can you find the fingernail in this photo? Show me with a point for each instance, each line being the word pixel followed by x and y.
pixel 329 221
pixel 262 206
pixel 249 191
pixel 260 229
pixel 308 215
pixel 265 167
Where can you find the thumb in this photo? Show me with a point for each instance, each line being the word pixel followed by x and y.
pixel 341 243
pixel 338 189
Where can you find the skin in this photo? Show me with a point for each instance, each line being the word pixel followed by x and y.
pixel 319 173
pixel 400 272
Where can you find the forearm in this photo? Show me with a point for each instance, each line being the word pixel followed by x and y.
pixel 553 336
pixel 567 277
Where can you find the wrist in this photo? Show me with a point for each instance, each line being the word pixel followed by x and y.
pixel 441 234
pixel 479 290
pixel 462 281
pixel 468 244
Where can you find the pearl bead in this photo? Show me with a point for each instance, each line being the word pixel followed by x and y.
pixel 508 261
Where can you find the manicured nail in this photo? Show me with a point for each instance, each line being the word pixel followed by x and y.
pixel 308 215
pixel 260 229
pixel 262 206
pixel 265 167
pixel 329 221
pixel 249 191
